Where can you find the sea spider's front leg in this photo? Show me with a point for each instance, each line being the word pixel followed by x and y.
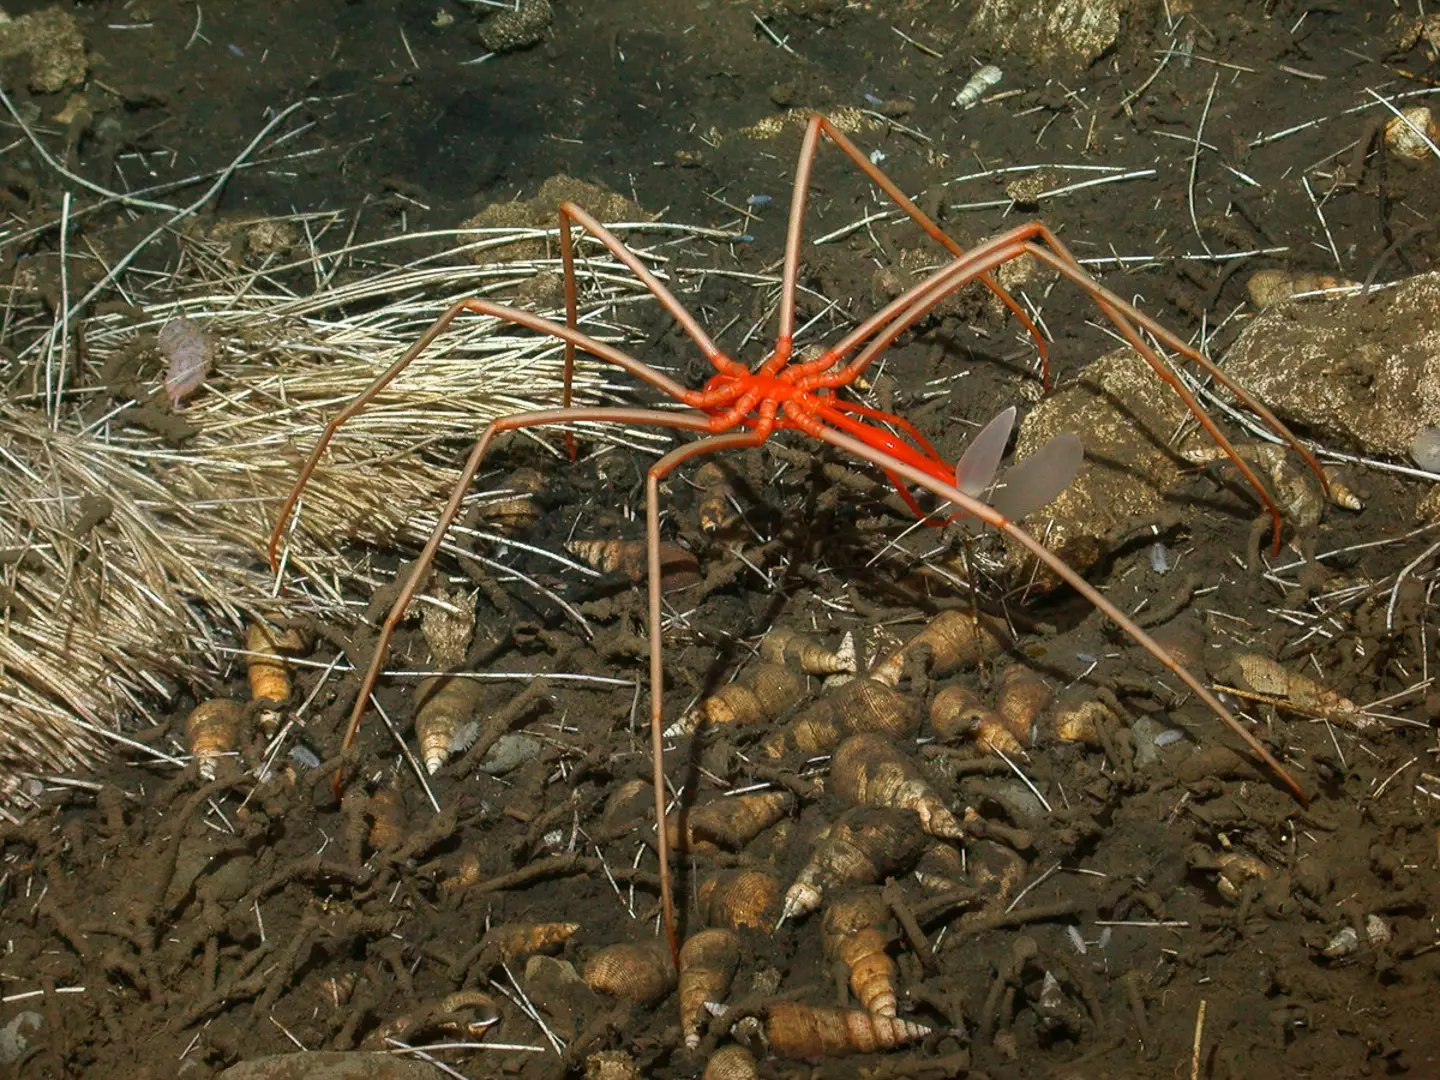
pixel 1062 570
pixel 684 420
pixel 656 473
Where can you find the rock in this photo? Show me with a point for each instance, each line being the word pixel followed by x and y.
pixel 509 753
pixel 1123 414
pixel 329 1066
pixel 51 41
pixel 542 212
pixel 506 31
pixel 16 1035
pixel 1363 371
pixel 1069 33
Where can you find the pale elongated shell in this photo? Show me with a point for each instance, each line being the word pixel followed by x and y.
pixel 518 941
pixel 268 671
pixel 712 507
pixel 642 972
pixel 859 705
pixel 969 95
pixel 740 898
pixel 785 646
pixel 446 704
pixel 212 730
pixel 757 698
pixel 812 1032
pixel 957 711
pixel 954 639
pixel 1022 697
pixel 1266 676
pixel 1082 722
pixel 861 848
pixel 853 933
pixel 707 964
pixel 1409 140
pixel 868 771
pixel 679 569
pixel 734 821
pixel 1268 288
pixel 731 1063
pixel 386 811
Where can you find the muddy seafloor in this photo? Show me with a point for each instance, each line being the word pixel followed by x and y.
pixel 164 926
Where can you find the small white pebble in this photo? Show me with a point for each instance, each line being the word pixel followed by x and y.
pixel 1159 556
pixel 1426 449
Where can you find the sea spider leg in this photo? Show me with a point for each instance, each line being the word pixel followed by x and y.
pixel 657 472
pixel 1057 565
pixel 809 147
pixel 527 319
pixel 1018 242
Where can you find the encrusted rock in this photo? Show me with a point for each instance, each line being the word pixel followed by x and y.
pixel 541 213
pixel 1123 414
pixel 1070 33
pixel 51 41
pixel 1363 371
pixel 506 31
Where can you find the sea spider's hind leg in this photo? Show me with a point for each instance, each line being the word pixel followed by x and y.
pixel 529 320
pixel 418 570
pixel 809 147
pixel 1063 570
pixel 657 472
pixel 1172 341
pixel 1020 241
pixel 571 212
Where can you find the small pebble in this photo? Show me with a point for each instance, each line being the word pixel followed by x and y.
pixel 1426 449
pixel 509 753
pixel 1159 558
pixel 303 757
pixel 1143 733
pixel 14 1036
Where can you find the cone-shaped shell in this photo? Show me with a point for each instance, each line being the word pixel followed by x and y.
pixel 992 735
pixel 957 711
pixel 268 671
pixel 518 941
pixel 516 513
pixel 643 973
pixel 861 848
pixel 707 964
pixel 868 771
pixel 1081 722
pixel 740 898
pixel 445 704
pixel 629 805
pixel 758 697
pixel 1259 673
pixel 811 1032
pixel 1022 697
pixel 859 705
pixel 790 647
pixel 679 568
pixel 731 1063
pixel 733 822
pixel 712 505
pixel 954 638
pixel 212 730
pixel 853 933
pixel 386 811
